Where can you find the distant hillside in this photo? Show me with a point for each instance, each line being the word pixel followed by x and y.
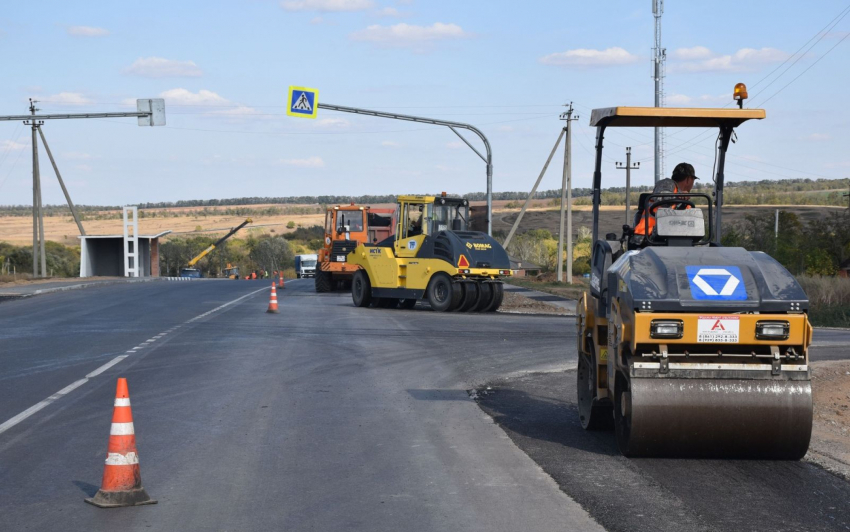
pixel 783 192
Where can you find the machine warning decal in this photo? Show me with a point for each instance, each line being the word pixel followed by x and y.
pixel 603 354
pixel 411 245
pixel 717 283
pixel 462 262
pixel 718 329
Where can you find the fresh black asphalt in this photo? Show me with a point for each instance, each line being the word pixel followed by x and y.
pixel 539 413
pixel 322 417
pixel 330 417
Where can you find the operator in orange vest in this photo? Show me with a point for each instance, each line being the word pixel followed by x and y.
pixel 682 180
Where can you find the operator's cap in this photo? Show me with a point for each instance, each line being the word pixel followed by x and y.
pixel 682 171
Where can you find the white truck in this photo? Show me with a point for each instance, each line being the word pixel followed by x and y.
pixel 305 265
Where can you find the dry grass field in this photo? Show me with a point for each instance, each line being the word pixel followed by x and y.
pixel 541 215
pixel 18 229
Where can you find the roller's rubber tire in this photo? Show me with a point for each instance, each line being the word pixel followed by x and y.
pixel 593 414
pixel 440 293
pixel 298 276
pixel 323 282
pixel 485 297
pixel 470 297
pixel 361 289
pixel 406 304
pixel 498 297
pixel 457 296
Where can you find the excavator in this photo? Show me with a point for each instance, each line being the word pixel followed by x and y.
pixel 687 348
pixel 191 271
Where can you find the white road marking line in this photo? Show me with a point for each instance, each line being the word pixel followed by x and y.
pixel 9 423
pixel 106 366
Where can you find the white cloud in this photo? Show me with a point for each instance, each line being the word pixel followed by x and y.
pixel 310 162
pixel 505 128
pixel 688 54
pixel 817 137
pixel 83 167
pixel 240 111
pixel 66 98
pixel 332 123
pixel 158 67
pixel 456 145
pixel 701 59
pixel 87 31
pixel 583 57
pixel 390 144
pixel 388 12
pixel 408 35
pixel 182 96
pixel 327 5
pixel 10 145
pixel 316 20
pixel 677 99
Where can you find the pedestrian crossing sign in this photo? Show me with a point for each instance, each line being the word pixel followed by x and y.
pixel 303 102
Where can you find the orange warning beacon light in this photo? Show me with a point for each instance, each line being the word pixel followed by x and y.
pixel 740 94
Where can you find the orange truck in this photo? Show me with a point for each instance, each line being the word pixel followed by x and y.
pixel 347 226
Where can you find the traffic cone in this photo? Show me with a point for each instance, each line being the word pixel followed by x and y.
pixel 273 301
pixel 122 480
pixel 281 285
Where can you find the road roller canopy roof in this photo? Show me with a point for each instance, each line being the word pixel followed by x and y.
pixel 672 117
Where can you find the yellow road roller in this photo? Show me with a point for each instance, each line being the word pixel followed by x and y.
pixel 432 256
pixel 688 348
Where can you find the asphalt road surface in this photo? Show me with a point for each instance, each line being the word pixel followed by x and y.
pixel 328 417
pixel 323 417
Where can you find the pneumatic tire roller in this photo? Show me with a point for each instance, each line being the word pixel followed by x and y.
pixel 432 257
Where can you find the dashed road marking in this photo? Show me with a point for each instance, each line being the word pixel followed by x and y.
pixel 8 424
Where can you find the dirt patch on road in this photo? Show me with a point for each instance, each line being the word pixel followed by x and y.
pixel 524 305
pixel 831 430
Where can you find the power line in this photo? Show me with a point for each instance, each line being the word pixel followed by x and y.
pixel 841 14
pixel 807 69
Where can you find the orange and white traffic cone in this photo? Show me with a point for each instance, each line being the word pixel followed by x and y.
pixel 273 301
pixel 281 285
pixel 122 480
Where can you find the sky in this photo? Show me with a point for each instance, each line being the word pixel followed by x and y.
pixel 507 67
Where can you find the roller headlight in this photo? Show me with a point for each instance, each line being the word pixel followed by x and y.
pixel 666 329
pixel 772 330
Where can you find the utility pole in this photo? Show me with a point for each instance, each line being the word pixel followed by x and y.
pixel 567 200
pixel 659 58
pixel 37 212
pixel 628 168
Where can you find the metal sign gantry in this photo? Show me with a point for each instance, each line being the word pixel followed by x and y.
pixel 488 160
pixel 150 112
